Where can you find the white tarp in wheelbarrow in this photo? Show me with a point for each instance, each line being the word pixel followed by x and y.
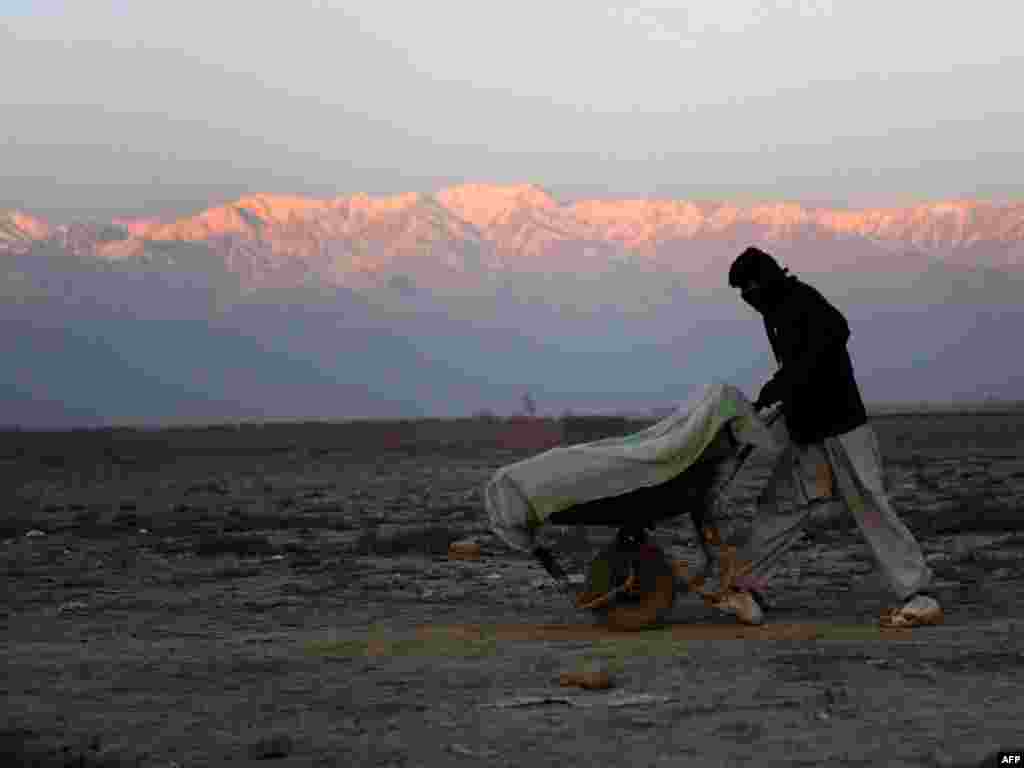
pixel 519 498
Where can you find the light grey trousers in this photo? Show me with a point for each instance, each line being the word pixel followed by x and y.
pixel 846 471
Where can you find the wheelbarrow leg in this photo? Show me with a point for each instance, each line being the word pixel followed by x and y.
pixel 547 559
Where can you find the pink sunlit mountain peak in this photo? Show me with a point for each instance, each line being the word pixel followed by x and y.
pixel 18 227
pixel 442 239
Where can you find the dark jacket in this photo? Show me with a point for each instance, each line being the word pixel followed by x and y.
pixel 808 336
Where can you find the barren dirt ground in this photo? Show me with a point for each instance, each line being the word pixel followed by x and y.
pixel 283 593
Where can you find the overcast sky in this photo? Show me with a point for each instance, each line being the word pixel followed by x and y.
pixel 138 106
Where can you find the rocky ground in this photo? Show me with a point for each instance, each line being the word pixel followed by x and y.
pixel 206 597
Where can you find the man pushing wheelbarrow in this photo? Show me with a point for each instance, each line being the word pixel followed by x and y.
pixel 831 455
pixel 827 453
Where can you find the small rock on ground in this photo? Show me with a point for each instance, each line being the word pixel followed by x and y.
pixel 272 747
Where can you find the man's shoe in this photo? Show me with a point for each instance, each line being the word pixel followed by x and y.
pixel 743 605
pixel 918 611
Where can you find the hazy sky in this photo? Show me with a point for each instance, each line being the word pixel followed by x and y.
pixel 138 106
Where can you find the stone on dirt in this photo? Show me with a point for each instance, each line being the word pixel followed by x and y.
pixel 467 549
pixel 592 681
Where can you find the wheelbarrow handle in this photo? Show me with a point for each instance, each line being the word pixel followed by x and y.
pixel 748 449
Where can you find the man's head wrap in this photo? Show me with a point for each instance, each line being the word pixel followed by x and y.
pixel 755 264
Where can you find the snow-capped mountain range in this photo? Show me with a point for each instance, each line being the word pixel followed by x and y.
pixel 516 227
pixel 470 295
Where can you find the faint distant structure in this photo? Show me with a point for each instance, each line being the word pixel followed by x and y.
pixel 486 414
pixel 529 405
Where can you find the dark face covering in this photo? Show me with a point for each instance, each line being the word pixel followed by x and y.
pixel 764 297
pixel 763 284
pixel 754 296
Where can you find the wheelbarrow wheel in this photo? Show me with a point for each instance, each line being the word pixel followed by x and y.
pixel 646 572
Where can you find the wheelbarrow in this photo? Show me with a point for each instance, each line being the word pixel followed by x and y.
pixel 632 583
